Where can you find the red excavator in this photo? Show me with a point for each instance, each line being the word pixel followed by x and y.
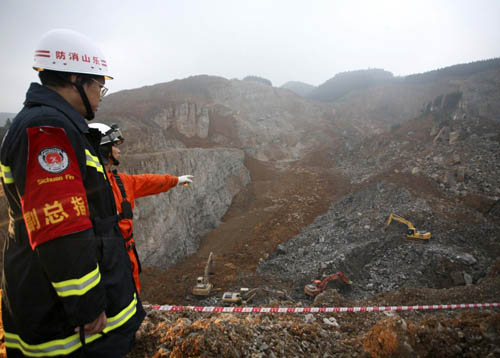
pixel 318 286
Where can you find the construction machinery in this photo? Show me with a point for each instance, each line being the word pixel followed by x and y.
pixel 235 297
pixel 246 295
pixel 318 286
pixel 412 233
pixel 203 285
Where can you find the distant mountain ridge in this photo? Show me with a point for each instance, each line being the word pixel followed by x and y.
pixel 345 82
pixel 460 70
pixel 300 88
pixel 258 79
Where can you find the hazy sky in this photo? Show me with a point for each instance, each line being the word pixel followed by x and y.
pixel 152 41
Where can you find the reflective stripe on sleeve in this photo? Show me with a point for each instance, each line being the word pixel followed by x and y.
pixel 78 286
pixel 122 317
pixel 93 161
pixel 70 344
pixel 7 174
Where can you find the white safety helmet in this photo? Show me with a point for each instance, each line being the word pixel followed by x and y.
pixel 69 51
pixel 110 134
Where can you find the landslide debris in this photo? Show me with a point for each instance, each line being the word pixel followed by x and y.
pixel 444 333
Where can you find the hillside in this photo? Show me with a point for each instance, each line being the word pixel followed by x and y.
pixel 289 190
pixel 300 88
pixel 345 82
pixel 438 169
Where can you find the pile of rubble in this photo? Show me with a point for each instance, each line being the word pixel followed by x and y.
pixel 350 238
pixel 461 156
pixel 467 333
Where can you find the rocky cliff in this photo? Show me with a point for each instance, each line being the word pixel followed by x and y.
pixel 276 126
pixel 268 123
pixel 169 226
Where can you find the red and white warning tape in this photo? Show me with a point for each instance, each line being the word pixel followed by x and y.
pixel 318 309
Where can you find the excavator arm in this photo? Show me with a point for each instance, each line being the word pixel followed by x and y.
pixel 208 268
pixel 203 285
pixel 412 232
pixel 400 219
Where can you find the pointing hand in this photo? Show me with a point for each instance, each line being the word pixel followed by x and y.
pixel 185 180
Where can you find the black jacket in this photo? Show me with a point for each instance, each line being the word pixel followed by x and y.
pixel 64 260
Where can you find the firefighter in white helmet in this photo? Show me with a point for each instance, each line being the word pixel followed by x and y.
pixel 127 188
pixel 67 287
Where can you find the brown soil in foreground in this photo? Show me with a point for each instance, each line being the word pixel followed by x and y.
pixel 440 333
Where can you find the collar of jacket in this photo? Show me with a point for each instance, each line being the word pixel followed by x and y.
pixel 41 95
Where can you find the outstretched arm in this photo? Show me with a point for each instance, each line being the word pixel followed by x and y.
pixel 140 185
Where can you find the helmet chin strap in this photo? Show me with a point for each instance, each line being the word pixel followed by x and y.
pixel 114 160
pixel 90 115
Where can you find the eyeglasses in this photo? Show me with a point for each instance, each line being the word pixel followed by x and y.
pixel 104 89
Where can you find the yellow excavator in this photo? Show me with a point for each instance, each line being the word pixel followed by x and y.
pixel 203 286
pixel 412 233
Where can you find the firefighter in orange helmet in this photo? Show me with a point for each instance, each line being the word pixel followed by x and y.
pixel 127 188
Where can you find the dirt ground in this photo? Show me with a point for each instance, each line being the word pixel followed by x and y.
pixel 252 228
pixel 288 200
pixel 440 333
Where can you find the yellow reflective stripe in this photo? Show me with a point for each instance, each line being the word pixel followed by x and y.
pixel 72 343
pixel 93 161
pixel 7 174
pixel 47 349
pixel 122 317
pixel 78 286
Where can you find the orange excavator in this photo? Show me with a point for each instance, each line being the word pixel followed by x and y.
pixel 315 288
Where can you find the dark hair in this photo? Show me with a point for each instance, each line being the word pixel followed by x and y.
pixel 62 79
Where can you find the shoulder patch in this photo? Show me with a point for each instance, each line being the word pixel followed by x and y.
pixel 53 160
pixel 54 202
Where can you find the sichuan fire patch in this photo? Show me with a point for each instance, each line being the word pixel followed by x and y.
pixel 54 203
pixel 53 160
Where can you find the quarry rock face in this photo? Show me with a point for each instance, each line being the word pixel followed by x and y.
pixel 268 123
pixel 437 133
pixel 169 226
